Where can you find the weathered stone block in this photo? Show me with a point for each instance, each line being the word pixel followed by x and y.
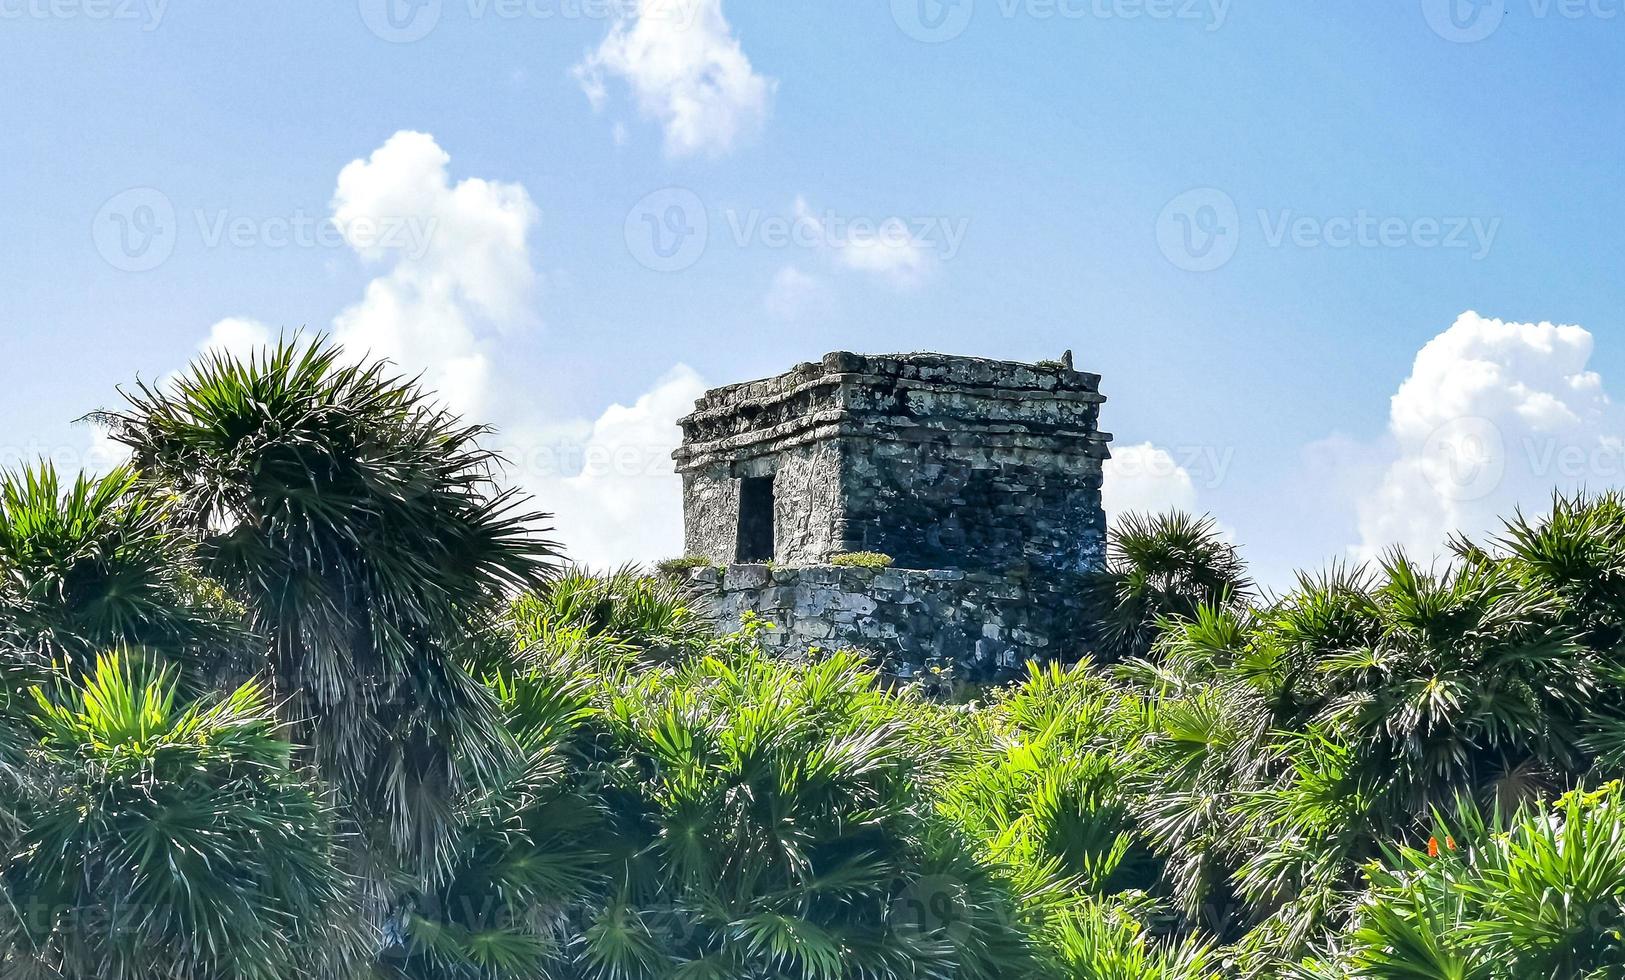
pixel 741 577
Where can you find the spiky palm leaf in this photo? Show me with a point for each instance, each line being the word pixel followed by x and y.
pixel 534 848
pixel 94 563
pixel 1161 567
pixel 1541 895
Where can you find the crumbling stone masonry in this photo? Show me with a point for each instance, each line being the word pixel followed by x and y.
pixel 980 478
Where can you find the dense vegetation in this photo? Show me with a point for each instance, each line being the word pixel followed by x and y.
pixel 302 693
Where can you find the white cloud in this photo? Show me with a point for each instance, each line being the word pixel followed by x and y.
pixel 1494 416
pixel 237 336
pixel 447 309
pixel 1146 479
pixel 793 294
pixel 610 481
pixel 888 250
pixel 460 273
pixel 892 253
pixel 685 69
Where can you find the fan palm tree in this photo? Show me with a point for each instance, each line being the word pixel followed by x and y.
pixel 165 839
pixel 1577 552
pixel 534 849
pixel 1471 683
pixel 361 525
pixel 94 563
pixel 1161 567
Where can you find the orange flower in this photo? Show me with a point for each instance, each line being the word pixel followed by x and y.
pixel 1433 847
pixel 1450 842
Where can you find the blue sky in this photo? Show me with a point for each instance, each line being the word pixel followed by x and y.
pixel 1251 218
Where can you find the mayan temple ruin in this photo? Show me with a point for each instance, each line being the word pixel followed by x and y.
pixel 979 478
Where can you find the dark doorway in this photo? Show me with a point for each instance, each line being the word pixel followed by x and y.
pixel 755 519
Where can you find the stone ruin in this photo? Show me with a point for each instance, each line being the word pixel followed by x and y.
pixel 979 478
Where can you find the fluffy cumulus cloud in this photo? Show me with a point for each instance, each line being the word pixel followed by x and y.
pixel 458 273
pixel 1494 416
pixel 237 336
pixel 1146 478
pixel 684 68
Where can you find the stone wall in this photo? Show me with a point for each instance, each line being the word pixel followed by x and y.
pixel 989 504
pixel 987 625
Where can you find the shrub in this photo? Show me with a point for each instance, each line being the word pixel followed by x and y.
pixel 91 564
pixel 161 839
pixel 677 566
pixel 781 828
pixel 1161 568
pixel 623 616
pixel 861 559
pixel 1543 898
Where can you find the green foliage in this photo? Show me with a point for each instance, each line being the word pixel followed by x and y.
pixel 1161 567
pixel 1545 897
pixel 1107 941
pixel 361 526
pixel 782 830
pixel 624 616
pixel 677 566
pixel 94 563
pixel 536 843
pixel 161 838
pixel 861 559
